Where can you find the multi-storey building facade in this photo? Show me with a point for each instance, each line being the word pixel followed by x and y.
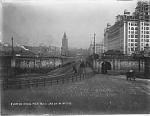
pixel 131 32
pixel 64 47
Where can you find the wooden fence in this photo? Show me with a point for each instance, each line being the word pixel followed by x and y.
pixel 44 81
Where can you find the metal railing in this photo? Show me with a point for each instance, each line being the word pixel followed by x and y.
pixel 42 82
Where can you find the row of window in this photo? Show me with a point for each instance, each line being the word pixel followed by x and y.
pixel 136 44
pixel 135 49
pixel 145 32
pixel 132 49
pixel 136 36
pixel 145 28
pixel 136 40
pixel 133 32
pixel 145 36
pixel 146 24
pixel 132 28
pixel 132 40
pixel 133 24
pixel 133 44
pixel 133 36
pixel 144 40
pixel 136 32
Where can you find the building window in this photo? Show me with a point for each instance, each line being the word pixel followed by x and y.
pixel 136 32
pixel 132 32
pixel 132 28
pixel 142 49
pixel 147 28
pixel 132 36
pixel 136 44
pixel 146 24
pixel 136 49
pixel 129 40
pixel 129 36
pixel 129 44
pixel 132 49
pixel 129 32
pixel 141 44
pixel 132 40
pixel 136 28
pixel 136 36
pixel 141 40
pixel 132 44
pixel 136 40
pixel 147 36
pixel 147 32
pixel 141 36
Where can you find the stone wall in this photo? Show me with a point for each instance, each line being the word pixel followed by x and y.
pixel 12 66
pixel 122 65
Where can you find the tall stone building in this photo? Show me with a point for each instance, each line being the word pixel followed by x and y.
pixel 131 32
pixel 64 47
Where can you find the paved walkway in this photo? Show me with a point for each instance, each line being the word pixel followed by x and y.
pixel 100 94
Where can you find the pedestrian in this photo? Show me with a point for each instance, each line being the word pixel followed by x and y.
pixel 74 69
pixel 82 69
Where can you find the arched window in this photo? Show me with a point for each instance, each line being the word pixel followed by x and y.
pixel 132 28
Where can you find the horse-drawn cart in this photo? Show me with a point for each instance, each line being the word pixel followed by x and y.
pixel 130 75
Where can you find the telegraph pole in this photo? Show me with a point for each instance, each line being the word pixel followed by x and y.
pixel 94 62
pixel 94 45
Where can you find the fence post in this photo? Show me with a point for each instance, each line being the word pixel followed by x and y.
pixel 44 82
pixel 28 83
pixel 63 80
pixel 57 81
pixel 51 81
pixel 36 82
pixel 20 84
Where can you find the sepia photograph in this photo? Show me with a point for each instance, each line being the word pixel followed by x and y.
pixel 74 57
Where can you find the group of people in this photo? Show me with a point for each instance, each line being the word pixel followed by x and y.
pixel 80 70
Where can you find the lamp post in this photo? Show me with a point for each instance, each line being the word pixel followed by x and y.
pixel 94 62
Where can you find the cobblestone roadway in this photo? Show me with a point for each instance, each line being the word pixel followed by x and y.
pixel 101 94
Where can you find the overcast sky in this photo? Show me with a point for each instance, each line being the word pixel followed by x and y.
pixel 43 22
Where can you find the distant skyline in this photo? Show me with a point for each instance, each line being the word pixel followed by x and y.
pixel 34 23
